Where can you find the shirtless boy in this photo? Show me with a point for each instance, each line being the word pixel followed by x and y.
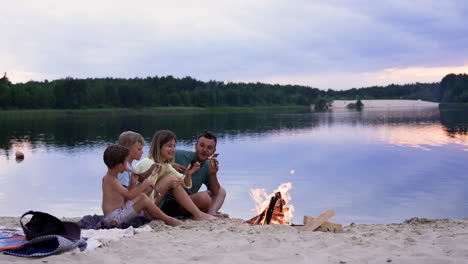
pixel 121 205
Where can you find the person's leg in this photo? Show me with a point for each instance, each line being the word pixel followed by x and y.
pixel 172 208
pixel 202 200
pixel 143 203
pixel 217 202
pixel 163 185
pixel 186 202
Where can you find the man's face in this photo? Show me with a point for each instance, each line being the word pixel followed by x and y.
pixel 204 148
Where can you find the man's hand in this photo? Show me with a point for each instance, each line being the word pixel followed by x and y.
pixel 213 166
pixel 179 167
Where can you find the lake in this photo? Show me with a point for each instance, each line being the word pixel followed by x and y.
pixel 376 166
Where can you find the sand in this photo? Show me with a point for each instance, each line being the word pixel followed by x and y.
pixel 231 241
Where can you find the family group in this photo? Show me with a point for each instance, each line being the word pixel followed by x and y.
pixel 166 184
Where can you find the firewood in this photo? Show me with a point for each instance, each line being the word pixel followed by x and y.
pixel 273 213
pixel 271 207
pixel 259 218
pixel 314 224
pixel 325 227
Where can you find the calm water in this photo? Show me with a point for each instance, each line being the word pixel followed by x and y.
pixel 371 167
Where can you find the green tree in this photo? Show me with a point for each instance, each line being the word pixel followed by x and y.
pixel 5 92
pixel 322 103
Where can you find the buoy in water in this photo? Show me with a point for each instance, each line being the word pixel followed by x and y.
pixel 19 155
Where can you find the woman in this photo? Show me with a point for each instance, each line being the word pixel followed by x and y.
pixel 162 151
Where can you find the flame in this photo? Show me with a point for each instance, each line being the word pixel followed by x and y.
pixel 262 200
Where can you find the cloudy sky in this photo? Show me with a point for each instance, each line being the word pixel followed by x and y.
pixel 334 44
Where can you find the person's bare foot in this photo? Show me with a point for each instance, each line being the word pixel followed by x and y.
pixel 204 216
pixel 174 222
pixel 221 215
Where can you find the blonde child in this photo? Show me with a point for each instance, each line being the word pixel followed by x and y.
pixel 162 153
pixel 134 143
pixel 119 204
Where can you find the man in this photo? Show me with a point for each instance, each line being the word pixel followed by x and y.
pixel 209 201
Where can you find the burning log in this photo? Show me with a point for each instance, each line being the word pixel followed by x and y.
pixel 273 214
pixel 272 206
pixel 276 212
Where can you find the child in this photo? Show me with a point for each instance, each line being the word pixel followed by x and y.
pixel 162 152
pixel 134 143
pixel 121 205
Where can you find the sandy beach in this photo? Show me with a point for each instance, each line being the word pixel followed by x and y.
pixel 416 240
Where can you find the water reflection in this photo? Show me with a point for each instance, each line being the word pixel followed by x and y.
pixel 421 136
pixel 81 130
pixel 370 167
pixel 454 121
pixel 29 132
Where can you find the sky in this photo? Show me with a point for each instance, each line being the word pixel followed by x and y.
pixel 326 44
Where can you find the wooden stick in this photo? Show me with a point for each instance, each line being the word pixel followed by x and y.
pixel 271 207
pixel 314 224
pixel 259 218
pixel 325 227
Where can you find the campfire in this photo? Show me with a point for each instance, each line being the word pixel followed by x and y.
pixel 273 210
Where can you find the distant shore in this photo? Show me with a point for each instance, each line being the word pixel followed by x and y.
pixel 447 106
pixel 417 240
pixel 165 109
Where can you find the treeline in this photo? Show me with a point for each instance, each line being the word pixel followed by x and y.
pixel 72 93
pixel 423 91
pixel 454 88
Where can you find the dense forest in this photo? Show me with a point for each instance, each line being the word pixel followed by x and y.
pixel 423 91
pixel 70 93
pixel 452 89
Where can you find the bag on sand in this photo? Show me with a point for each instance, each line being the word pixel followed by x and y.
pixel 47 235
pixel 42 224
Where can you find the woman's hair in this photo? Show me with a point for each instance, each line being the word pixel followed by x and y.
pixel 128 138
pixel 160 138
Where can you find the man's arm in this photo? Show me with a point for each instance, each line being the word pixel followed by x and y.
pixel 213 168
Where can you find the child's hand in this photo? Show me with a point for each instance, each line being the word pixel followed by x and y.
pixel 135 176
pixel 156 168
pixel 149 181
